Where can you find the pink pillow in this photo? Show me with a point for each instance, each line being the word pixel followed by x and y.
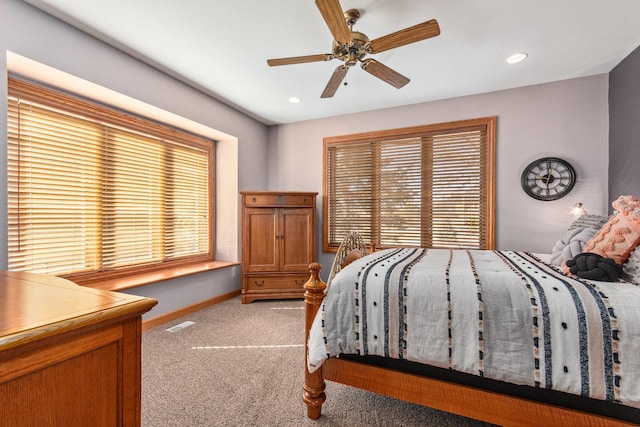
pixel 627 205
pixel 621 234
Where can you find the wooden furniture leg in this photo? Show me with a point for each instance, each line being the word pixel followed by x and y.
pixel 313 394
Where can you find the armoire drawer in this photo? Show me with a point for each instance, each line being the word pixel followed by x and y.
pixel 266 282
pixel 278 200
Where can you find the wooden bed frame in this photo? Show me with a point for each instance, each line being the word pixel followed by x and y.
pixel 439 394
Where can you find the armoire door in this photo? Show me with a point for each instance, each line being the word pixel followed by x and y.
pixel 297 238
pixel 260 246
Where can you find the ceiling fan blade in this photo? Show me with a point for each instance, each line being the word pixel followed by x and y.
pixel 404 37
pixel 334 81
pixel 334 17
pixel 300 59
pixel 384 73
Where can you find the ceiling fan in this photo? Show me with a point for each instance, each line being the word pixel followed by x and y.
pixel 351 46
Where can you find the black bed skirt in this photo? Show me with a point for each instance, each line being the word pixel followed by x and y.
pixel 552 397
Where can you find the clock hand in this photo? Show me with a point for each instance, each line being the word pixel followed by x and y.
pixel 548 174
pixel 545 178
pixel 550 178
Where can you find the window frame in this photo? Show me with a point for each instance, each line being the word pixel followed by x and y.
pixel 489 176
pixel 56 99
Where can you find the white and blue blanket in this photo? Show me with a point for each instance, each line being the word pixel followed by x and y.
pixel 498 314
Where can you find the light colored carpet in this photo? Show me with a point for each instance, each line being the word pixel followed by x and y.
pixel 242 365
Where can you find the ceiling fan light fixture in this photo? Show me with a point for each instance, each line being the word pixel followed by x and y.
pixel 517 57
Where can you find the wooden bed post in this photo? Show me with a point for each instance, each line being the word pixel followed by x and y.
pixel 313 394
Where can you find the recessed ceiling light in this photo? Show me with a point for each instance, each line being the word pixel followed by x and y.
pixel 518 57
pixel 295 100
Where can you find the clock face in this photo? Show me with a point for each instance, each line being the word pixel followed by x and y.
pixel 548 178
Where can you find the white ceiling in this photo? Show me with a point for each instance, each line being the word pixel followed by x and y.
pixel 221 47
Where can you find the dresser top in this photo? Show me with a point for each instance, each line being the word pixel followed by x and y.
pixel 33 306
pixel 284 193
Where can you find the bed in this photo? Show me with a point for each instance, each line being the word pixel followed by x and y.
pixel 555 349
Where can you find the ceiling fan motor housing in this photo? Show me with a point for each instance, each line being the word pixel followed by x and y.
pixel 352 52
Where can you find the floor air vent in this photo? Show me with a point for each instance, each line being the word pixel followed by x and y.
pixel 179 326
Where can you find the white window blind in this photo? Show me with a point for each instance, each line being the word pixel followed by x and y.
pixel 94 192
pixel 430 186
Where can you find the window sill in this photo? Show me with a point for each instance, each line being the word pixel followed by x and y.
pixel 133 281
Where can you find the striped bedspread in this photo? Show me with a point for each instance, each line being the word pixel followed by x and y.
pixel 499 314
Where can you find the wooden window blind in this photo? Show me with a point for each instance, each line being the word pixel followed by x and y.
pixel 96 193
pixel 430 186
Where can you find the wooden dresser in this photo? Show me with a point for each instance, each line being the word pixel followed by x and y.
pixel 278 243
pixel 69 355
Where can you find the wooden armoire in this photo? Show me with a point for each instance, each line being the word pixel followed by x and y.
pixel 278 243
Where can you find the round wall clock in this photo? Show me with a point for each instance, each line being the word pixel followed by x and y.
pixel 548 178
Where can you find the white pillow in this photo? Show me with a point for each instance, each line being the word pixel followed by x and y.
pixel 571 244
pixel 632 267
pixel 589 221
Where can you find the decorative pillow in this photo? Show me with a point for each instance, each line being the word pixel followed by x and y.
pixel 594 267
pixel 632 267
pixel 352 256
pixel 571 244
pixel 589 221
pixel 627 205
pixel 621 234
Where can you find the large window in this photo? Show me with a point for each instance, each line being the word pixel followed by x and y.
pixel 430 186
pixel 95 193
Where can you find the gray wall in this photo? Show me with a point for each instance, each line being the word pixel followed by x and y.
pixel 624 132
pixel 26 32
pixel 568 119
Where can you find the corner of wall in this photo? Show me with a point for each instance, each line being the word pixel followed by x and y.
pixel 4 238
pixel 227 216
